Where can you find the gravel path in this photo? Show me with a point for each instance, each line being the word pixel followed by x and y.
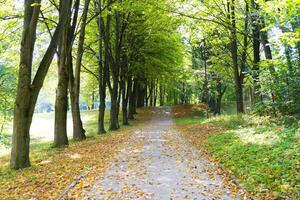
pixel 158 164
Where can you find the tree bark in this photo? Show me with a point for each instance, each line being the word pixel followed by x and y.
pixel 155 93
pixel 78 131
pixel 64 65
pixel 124 71
pixel 234 54
pixel 256 50
pixel 130 98
pixel 114 69
pixel 22 118
pixel 27 92
pixel 161 95
pixel 102 69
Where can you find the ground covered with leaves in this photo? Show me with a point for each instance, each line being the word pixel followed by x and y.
pixel 53 170
pixel 263 156
pixel 156 163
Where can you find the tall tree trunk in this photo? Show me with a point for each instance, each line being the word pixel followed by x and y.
pixel 27 92
pixel 234 54
pixel 134 96
pixel 161 95
pixel 256 49
pixel 151 93
pixel 22 121
pixel 64 65
pixel 78 131
pixel 114 69
pixel 130 98
pixel 140 94
pixel 155 93
pixel 124 71
pixel 146 93
pixel 245 44
pixel 61 102
pixel 102 69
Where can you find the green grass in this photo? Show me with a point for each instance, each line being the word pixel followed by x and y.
pixel 230 121
pixel 43 149
pixel 43 125
pixel 261 152
pixel 190 120
pixel 225 121
pixel 264 157
pixel 42 131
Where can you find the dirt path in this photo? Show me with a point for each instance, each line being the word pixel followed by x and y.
pixel 158 164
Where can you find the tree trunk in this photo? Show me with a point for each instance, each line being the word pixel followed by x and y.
pixel 234 54
pixel 134 96
pixel 155 94
pixel 161 95
pixel 61 102
pixel 27 92
pixel 124 71
pixel 102 70
pixel 151 93
pixel 64 64
pixel 130 98
pixel 140 94
pixel 22 117
pixel 114 69
pixel 256 50
pixel 78 131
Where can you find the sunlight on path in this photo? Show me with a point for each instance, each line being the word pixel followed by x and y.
pixel 158 164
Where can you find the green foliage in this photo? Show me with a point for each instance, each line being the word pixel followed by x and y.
pixel 7 94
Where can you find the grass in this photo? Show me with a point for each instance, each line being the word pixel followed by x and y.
pixel 264 160
pixel 262 154
pixel 42 127
pixel 189 120
pixel 41 146
pixel 52 169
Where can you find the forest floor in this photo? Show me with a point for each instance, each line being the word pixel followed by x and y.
pixel 54 169
pixel 155 163
pixel 166 154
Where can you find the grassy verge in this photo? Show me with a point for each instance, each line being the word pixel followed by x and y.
pixel 262 155
pixel 190 120
pixel 53 169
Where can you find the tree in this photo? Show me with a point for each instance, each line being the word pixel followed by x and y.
pixel 78 131
pixel 28 90
pixel 64 67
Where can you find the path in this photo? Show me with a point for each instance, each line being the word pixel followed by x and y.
pixel 158 164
